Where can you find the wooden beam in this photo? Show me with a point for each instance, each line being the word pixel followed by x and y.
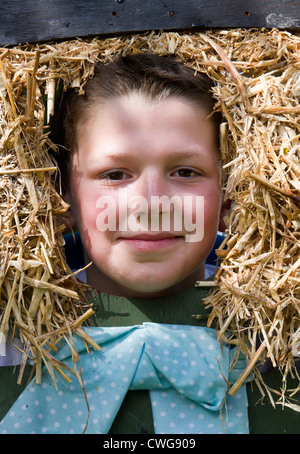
pixel 45 20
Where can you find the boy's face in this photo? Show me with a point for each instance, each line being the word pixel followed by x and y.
pixel 133 149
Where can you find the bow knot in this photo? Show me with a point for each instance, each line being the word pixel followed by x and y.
pixel 184 368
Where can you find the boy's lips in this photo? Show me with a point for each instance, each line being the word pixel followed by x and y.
pixel 151 241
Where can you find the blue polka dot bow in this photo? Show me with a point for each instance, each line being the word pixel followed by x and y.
pixel 184 368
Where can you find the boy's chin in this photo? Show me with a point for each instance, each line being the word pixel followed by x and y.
pixel 143 282
pixel 148 291
pixel 153 288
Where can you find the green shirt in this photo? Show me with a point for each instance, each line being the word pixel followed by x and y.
pixel 135 414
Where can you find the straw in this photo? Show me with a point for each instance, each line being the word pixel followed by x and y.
pixel 255 295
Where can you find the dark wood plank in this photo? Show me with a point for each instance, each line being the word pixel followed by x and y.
pixel 44 20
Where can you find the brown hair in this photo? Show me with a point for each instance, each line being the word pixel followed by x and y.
pixel 154 76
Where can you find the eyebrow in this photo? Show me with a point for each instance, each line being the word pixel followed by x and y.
pixel 186 154
pixel 122 157
pixel 112 157
pixel 179 155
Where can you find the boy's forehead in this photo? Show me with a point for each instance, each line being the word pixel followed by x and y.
pixel 132 116
pixel 119 153
pixel 137 106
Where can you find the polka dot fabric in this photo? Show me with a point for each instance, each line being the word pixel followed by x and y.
pixel 183 367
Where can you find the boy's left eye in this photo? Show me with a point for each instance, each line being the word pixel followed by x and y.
pixel 186 172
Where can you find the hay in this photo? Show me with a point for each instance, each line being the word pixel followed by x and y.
pixel 258 87
pixel 40 299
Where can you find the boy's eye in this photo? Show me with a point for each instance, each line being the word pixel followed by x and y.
pixel 114 175
pixel 186 173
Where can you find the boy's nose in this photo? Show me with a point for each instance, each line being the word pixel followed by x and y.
pixel 152 183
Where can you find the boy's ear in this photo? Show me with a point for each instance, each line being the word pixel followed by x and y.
pixel 224 213
pixel 68 218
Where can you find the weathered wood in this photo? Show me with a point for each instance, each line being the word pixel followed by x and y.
pixel 45 20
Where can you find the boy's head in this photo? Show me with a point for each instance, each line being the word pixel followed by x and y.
pixel 152 76
pixel 144 174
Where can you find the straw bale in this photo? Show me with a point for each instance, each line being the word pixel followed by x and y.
pixel 255 297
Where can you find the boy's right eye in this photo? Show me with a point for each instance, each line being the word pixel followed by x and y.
pixel 114 175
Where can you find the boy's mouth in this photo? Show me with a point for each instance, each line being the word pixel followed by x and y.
pixel 151 241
